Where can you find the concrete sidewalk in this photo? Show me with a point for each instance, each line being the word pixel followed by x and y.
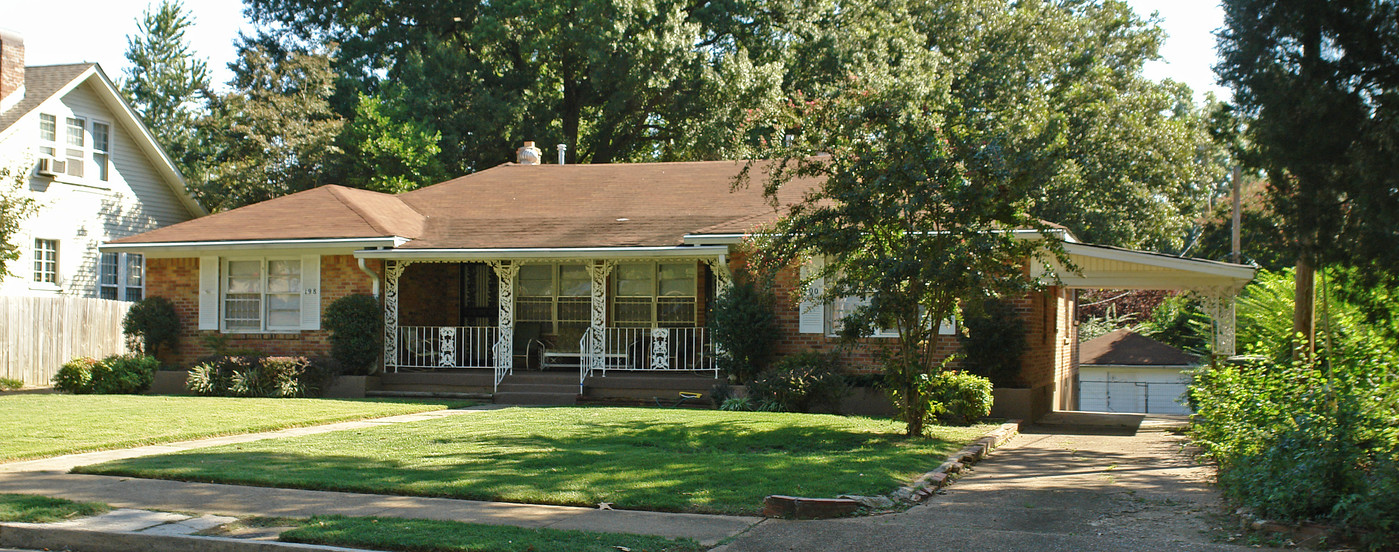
pixel 50 477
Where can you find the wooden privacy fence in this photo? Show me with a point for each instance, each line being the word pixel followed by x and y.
pixel 39 334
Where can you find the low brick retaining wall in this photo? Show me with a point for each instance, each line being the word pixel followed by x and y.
pixel 919 490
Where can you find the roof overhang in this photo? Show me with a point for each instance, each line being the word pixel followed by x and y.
pixel 581 253
pixel 731 239
pixel 1103 267
pixel 191 249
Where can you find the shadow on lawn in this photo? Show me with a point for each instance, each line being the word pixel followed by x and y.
pixel 712 467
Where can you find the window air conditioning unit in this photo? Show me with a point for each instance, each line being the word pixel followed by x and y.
pixel 51 167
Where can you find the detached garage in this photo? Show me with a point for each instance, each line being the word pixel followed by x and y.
pixel 1123 371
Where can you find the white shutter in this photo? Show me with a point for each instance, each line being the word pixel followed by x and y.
pixel 812 315
pixel 310 292
pixel 209 293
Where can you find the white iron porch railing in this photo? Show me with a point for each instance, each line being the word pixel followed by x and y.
pixel 645 349
pixel 437 347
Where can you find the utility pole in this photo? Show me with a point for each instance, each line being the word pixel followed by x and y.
pixel 1235 250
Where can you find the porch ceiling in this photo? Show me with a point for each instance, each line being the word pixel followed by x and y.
pixel 579 253
pixel 1103 267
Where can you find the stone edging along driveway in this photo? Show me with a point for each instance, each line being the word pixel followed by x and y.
pixel 919 490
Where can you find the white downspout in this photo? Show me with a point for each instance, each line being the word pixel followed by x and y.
pixel 372 277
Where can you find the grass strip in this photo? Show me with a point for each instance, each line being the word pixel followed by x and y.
pixel 41 425
pixel 635 458
pixel 41 509
pixel 421 535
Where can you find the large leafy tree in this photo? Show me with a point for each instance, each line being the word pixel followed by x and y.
pixel 1318 83
pixel 920 196
pixel 168 84
pixel 15 206
pixel 274 133
pixel 615 80
pixel 1124 160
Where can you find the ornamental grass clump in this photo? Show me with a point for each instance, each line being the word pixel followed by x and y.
pixel 256 376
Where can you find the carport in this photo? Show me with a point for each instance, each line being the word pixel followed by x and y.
pixel 1215 284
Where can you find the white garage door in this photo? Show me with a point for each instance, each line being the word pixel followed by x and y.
pixel 1132 389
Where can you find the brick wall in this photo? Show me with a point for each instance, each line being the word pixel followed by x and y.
pixel 178 281
pixel 1047 315
pixel 429 294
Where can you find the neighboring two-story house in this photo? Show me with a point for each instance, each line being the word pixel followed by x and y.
pixel 96 173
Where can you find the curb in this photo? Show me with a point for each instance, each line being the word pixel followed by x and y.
pixel 927 484
pixel 922 487
pixel 38 537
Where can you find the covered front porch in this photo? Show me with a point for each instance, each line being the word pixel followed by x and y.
pixel 588 313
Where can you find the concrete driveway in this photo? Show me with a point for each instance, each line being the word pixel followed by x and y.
pixel 1078 481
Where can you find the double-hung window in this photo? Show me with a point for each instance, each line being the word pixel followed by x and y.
pixel 554 299
pixel 69 146
pixel 75 148
pixel 46 261
pixel 101 150
pixel 123 277
pixel 654 295
pixel 261 295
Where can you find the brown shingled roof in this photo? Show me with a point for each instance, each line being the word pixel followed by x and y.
pixel 41 82
pixel 605 205
pixel 1127 348
pixel 324 212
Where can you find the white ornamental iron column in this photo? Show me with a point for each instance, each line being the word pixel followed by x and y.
pixel 1218 303
pixel 392 271
pixel 597 334
pixel 719 267
pixel 505 342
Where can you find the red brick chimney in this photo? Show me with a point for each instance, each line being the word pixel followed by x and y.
pixel 11 63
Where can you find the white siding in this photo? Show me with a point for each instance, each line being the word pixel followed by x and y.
pixel 1146 389
pixel 83 213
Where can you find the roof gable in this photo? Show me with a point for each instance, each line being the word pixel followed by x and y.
pixel 1128 348
pixel 45 82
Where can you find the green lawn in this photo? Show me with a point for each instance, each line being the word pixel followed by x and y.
pixel 421 535
pixel 33 426
pixel 649 459
pixel 42 509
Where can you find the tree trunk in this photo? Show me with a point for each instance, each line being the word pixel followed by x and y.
pixel 1304 308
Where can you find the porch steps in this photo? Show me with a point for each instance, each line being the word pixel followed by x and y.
pixel 427 395
pixel 538 388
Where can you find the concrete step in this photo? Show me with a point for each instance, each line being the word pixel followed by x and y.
pixel 536 398
pixel 560 378
pixel 427 395
pixel 425 388
pixel 515 387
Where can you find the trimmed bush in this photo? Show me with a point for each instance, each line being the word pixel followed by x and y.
pixel 75 376
pixel 9 384
pixel 957 398
pixel 253 376
pixel 124 374
pixel 801 383
pixel 356 328
pixel 743 326
pixel 116 374
pixel 152 322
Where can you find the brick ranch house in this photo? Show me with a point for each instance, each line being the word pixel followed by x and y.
pixel 536 281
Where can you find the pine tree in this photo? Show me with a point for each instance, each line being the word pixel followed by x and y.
pixel 168 84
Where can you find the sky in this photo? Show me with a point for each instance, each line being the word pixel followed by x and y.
pixel 72 31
